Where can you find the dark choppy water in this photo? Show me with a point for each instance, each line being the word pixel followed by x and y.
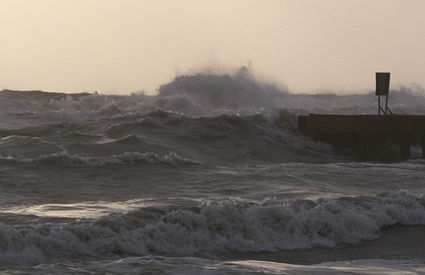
pixel 210 176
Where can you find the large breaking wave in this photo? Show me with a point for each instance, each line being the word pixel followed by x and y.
pixel 213 227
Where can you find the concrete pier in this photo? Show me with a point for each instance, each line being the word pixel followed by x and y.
pixel 363 133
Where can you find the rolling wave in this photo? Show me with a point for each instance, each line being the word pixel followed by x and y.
pixel 266 137
pixel 207 117
pixel 214 226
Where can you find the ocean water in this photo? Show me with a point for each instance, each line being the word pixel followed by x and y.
pixel 210 176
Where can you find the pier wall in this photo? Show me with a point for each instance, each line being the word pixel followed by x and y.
pixel 363 133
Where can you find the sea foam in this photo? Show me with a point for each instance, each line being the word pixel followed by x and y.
pixel 214 227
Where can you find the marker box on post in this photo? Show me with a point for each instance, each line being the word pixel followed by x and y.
pixel 382 83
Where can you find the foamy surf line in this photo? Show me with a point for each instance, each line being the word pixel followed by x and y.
pixel 196 265
pixel 214 227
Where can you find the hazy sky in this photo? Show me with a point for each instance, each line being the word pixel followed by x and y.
pixel 122 46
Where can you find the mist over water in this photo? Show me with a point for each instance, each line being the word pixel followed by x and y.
pixel 209 174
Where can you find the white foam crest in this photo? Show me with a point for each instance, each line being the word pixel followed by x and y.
pixel 227 91
pixel 216 226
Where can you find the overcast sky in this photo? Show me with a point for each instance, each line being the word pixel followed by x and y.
pixel 122 46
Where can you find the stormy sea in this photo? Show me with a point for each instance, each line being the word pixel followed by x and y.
pixel 209 176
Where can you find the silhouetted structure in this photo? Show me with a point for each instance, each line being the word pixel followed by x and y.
pixel 363 132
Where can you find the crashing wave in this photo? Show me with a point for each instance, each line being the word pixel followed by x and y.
pixel 214 226
pixel 202 94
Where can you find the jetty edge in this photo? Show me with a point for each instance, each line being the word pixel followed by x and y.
pixel 362 133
